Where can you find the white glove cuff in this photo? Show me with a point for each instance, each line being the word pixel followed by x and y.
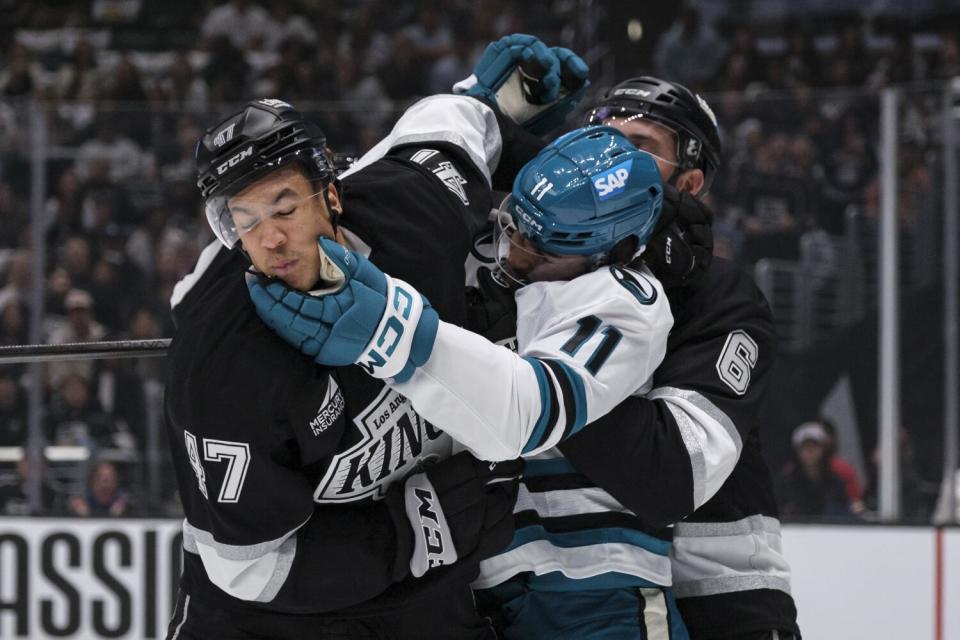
pixel 389 350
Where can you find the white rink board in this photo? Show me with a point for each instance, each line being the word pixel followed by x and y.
pixel 94 578
pixel 863 582
pixel 849 582
pixel 951 584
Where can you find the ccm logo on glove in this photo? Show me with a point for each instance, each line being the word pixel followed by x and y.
pixel 391 330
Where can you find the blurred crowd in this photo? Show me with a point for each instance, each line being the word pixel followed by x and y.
pixel 123 106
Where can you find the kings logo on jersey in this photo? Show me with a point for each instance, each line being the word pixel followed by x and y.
pixel 394 440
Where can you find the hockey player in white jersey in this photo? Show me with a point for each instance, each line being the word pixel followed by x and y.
pixel 588 341
pixel 590 333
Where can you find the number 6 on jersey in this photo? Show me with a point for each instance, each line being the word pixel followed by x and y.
pixel 737 360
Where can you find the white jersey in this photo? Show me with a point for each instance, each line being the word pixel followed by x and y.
pixel 582 347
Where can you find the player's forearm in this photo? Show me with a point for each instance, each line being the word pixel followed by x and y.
pixel 484 396
pixel 662 456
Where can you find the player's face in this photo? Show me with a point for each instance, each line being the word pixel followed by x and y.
pixel 660 142
pixel 522 261
pixel 284 216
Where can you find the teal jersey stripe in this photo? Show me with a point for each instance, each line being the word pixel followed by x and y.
pixel 579 397
pixel 546 390
pixel 570 539
pixel 556 581
pixel 550 467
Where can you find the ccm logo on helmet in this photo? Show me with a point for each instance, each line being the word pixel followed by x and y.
pixel 631 92
pixel 527 219
pixel 612 181
pixel 234 160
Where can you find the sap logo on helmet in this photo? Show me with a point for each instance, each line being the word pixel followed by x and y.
pixel 706 108
pixel 527 219
pixel 234 160
pixel 632 92
pixel 276 104
pixel 225 135
pixel 612 181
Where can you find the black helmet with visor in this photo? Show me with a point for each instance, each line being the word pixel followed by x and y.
pixel 266 135
pixel 674 106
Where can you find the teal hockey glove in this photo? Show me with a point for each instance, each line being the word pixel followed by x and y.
pixel 370 319
pixel 531 84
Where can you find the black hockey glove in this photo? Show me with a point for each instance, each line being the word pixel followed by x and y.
pixel 460 507
pixel 681 247
pixel 491 307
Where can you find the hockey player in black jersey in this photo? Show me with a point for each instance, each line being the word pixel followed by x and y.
pixel 730 577
pixel 312 508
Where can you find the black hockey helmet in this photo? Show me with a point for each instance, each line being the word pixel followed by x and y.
pixel 674 106
pixel 265 135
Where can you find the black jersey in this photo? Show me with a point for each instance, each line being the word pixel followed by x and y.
pixel 280 463
pixel 651 453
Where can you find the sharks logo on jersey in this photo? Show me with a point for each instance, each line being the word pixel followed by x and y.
pixel 394 441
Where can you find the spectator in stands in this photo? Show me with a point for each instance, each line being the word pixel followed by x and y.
pixel 121 154
pixel 19 75
pixel 181 89
pixel 80 327
pixel 289 27
pixel 364 102
pixel 457 64
pixel 809 488
pixel 916 497
pixel 59 285
pixel 690 51
pixel 245 24
pixel 103 497
pixel 429 35
pixel 400 79
pixel 65 209
pixel 366 39
pixel 13 323
pixel 226 73
pixel 73 418
pixel 79 78
pixel 16 283
pixel 947 61
pixel 842 468
pixel 76 256
pixel 801 62
pixel 13 409
pixel 15 487
pixel 851 166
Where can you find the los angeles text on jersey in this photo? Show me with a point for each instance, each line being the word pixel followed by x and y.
pixel 87 579
pixel 393 441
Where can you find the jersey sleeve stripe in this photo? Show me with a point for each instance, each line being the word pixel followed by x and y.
pixel 566 392
pixel 579 399
pixel 711 465
pixel 548 406
pixel 701 402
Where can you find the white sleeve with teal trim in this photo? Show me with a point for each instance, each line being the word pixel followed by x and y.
pixel 584 346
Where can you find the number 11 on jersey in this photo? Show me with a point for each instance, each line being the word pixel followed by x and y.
pixel 587 326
